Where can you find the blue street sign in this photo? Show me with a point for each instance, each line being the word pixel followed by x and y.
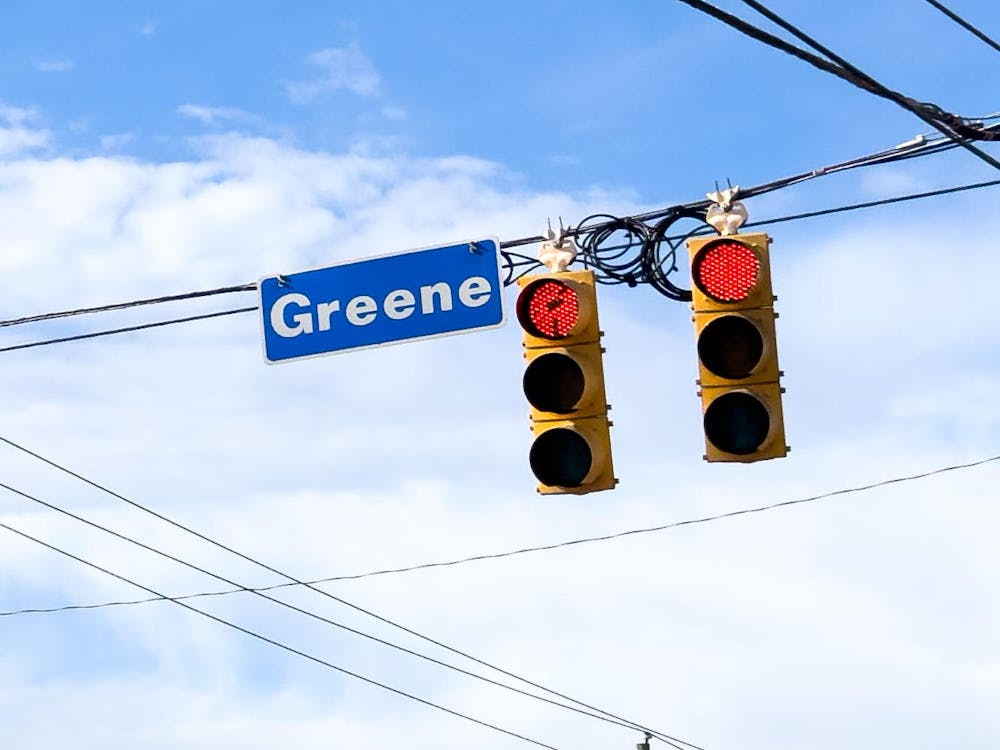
pixel 388 299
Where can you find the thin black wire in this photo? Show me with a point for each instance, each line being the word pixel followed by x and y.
pixel 327 594
pixel 965 24
pixel 871 204
pixel 951 125
pixel 518 265
pixel 954 127
pixel 126 305
pixel 529 263
pixel 850 207
pixel 299 610
pixel 274 642
pixel 543 548
pixel 127 329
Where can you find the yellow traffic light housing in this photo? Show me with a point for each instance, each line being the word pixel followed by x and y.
pixel 564 383
pixel 737 348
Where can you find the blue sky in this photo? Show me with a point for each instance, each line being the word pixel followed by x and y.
pixel 150 149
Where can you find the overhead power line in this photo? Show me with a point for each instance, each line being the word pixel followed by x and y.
pixel 126 305
pixel 306 612
pixel 964 24
pixel 925 147
pixel 528 550
pixel 126 329
pixel 960 130
pixel 872 204
pixel 617 719
pixel 276 643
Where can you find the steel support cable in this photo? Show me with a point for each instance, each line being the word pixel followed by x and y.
pixel 514 261
pixel 308 613
pixel 529 550
pixel 951 125
pixel 531 262
pixel 126 329
pixel 526 261
pixel 954 127
pixel 328 595
pixel 273 642
pixel 127 305
pixel 964 24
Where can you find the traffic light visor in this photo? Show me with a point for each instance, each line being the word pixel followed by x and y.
pixel 548 308
pixel 726 270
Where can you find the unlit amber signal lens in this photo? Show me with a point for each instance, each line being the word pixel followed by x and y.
pixel 549 309
pixel 726 271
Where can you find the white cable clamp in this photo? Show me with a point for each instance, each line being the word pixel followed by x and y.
pixel 557 250
pixel 726 214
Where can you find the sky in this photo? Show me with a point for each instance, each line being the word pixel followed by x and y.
pixel 150 149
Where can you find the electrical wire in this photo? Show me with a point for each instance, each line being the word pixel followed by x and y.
pixel 300 610
pixel 541 548
pixel 127 329
pixel 590 237
pixel 275 642
pixel 126 305
pixel 872 204
pixel 964 24
pixel 958 129
pixel 292 579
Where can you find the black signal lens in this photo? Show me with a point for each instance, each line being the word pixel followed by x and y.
pixel 560 458
pixel 737 422
pixel 554 382
pixel 731 347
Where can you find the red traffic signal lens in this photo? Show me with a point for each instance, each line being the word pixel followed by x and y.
pixel 726 270
pixel 554 383
pixel 548 308
pixel 561 458
pixel 737 422
pixel 731 346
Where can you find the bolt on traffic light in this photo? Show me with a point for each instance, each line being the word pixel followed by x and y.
pixel 737 348
pixel 564 383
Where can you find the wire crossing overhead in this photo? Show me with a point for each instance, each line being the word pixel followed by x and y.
pixel 964 24
pixel 615 719
pixel 959 129
pixel 564 383
pixel 523 550
pixel 647 257
pixel 274 642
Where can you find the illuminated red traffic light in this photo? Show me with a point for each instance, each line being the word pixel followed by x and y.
pixel 737 351
pixel 726 270
pixel 564 383
pixel 549 309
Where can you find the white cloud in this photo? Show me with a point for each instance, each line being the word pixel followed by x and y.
pixel 116 141
pixel 394 113
pixel 217 115
pixel 16 133
pixel 343 68
pixel 54 66
pixel 417 453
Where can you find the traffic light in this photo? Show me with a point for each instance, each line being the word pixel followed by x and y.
pixel 564 383
pixel 737 351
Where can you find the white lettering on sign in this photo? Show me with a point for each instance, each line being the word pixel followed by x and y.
pixel 292 314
